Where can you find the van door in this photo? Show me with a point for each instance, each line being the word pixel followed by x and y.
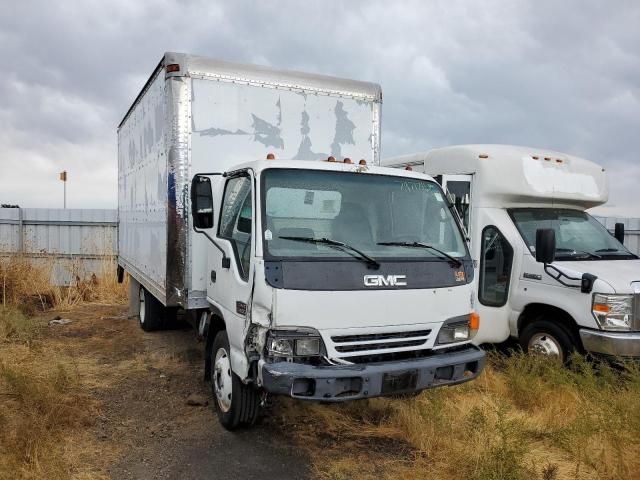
pixel 458 187
pixel 230 288
pixel 494 273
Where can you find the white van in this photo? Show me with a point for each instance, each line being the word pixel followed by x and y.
pixel 548 273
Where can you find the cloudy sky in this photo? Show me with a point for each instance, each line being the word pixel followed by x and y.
pixel 558 75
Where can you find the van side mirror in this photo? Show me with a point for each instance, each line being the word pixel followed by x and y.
pixel 201 202
pixel 545 245
pixel 619 232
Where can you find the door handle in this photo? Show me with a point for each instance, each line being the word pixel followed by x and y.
pixel 213 276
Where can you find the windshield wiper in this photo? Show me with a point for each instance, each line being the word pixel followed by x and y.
pixel 614 250
pixel 334 243
pixel 584 252
pixel 452 259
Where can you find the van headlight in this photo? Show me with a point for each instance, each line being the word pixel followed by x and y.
pixel 459 329
pixel 613 311
pixel 293 343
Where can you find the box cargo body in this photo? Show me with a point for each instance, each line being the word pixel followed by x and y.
pixel 201 115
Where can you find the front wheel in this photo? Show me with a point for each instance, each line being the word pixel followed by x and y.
pixel 237 404
pixel 549 339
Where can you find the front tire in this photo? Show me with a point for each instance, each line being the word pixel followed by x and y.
pixel 546 338
pixel 237 404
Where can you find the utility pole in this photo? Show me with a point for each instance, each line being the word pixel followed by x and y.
pixel 63 177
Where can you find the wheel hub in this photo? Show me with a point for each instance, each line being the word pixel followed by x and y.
pixel 141 312
pixel 222 380
pixel 545 344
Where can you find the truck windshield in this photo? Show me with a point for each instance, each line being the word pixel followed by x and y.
pixel 375 214
pixel 579 236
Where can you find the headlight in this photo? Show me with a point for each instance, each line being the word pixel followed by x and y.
pixel 459 329
pixel 285 343
pixel 613 312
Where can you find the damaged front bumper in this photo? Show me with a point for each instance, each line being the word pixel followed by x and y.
pixel 350 382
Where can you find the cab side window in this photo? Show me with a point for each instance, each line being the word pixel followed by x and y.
pixel 495 268
pixel 236 219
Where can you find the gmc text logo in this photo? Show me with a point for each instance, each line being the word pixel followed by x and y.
pixel 385 281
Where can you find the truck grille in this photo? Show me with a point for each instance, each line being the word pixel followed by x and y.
pixel 380 341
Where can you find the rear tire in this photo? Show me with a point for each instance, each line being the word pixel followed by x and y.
pixel 152 315
pixel 543 337
pixel 237 404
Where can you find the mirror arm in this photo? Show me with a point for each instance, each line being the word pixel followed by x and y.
pixel 558 275
pixel 586 281
pixel 226 262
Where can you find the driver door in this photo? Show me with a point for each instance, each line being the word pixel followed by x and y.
pixel 230 288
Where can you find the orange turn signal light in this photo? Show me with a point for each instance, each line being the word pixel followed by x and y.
pixel 474 321
pixel 601 307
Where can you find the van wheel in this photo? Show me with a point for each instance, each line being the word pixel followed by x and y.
pixel 546 338
pixel 237 404
pixel 152 314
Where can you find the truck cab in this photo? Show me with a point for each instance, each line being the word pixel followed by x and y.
pixel 549 274
pixel 331 281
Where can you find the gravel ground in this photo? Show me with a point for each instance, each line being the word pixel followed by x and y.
pixel 147 379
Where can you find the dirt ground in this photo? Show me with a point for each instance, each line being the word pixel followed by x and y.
pixel 147 429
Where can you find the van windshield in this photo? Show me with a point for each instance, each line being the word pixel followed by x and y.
pixel 359 210
pixel 579 236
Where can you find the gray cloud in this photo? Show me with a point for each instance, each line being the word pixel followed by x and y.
pixel 559 75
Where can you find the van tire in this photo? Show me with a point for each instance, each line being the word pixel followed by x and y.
pixel 237 404
pixel 152 314
pixel 544 337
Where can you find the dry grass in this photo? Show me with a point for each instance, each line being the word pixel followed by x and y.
pixel 522 419
pixel 45 408
pixel 26 283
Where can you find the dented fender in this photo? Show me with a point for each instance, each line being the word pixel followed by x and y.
pixel 259 317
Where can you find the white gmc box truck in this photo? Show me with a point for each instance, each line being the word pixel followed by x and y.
pixel 309 277
pixel 548 274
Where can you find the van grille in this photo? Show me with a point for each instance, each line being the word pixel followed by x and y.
pixel 380 341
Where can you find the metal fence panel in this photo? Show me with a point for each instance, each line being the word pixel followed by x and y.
pixel 77 241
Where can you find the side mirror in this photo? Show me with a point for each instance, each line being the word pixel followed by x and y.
pixel 545 245
pixel 201 202
pixel 619 232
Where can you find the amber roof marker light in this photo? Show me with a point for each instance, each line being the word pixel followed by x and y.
pixel 173 67
pixel 483 155
pixel 331 159
pixel 271 156
pixel 347 160
pixel 362 162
